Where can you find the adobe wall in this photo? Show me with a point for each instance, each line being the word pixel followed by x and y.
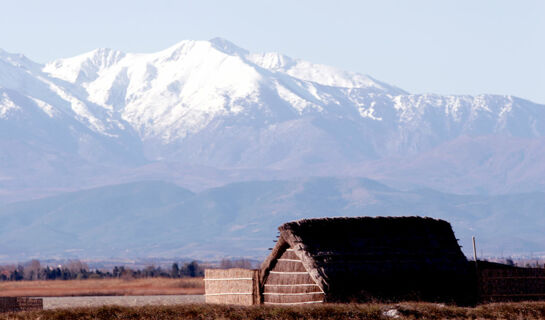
pixel 16 304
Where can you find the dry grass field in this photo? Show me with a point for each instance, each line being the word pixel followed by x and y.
pixel 426 311
pixel 101 287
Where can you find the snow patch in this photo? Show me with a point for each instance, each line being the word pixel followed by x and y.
pixel 46 107
pixel 7 106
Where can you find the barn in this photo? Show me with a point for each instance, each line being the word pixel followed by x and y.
pixel 366 258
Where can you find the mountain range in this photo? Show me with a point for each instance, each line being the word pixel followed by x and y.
pixel 208 114
pixel 154 219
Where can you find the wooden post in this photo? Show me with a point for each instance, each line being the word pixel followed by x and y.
pixel 474 250
pixel 477 275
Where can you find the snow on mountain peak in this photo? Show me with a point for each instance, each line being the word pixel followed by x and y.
pixel 318 73
pixel 211 103
pixel 19 60
pixel 85 67
pixel 172 94
pixel 227 47
pixel 167 94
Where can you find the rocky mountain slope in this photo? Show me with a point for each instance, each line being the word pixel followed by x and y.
pixel 108 116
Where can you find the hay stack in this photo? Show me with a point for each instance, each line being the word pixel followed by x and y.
pixel 365 258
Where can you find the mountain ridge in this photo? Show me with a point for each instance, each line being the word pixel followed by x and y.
pixel 154 219
pixel 214 104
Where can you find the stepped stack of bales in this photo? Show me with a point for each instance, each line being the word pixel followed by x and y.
pixel 365 258
pixel 289 282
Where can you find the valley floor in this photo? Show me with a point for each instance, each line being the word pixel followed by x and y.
pixel 161 298
pixel 102 287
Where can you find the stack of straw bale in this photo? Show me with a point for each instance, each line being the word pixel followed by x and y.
pixel 232 286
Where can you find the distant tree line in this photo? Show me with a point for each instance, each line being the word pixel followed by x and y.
pixel 237 263
pixel 76 269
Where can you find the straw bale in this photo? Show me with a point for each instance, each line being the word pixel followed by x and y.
pixel 228 273
pixel 275 278
pixel 244 300
pixel 292 288
pixel 232 286
pixel 296 298
pixel 289 266
pixel 289 254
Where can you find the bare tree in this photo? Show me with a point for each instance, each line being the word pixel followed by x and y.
pixel 236 263
pixel 76 266
pixel 32 270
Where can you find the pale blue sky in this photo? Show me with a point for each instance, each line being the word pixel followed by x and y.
pixel 421 46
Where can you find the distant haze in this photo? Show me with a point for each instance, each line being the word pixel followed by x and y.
pixel 155 219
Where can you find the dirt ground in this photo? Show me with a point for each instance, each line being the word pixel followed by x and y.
pixel 126 301
pixel 102 287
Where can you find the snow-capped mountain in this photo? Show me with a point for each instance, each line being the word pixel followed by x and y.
pixel 50 133
pixel 211 105
pixel 174 94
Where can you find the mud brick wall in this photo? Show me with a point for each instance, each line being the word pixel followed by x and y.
pixel 16 304
pixel 514 284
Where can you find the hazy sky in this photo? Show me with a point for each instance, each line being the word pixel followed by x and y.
pixel 421 46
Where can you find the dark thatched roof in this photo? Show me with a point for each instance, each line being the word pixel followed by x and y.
pixel 377 257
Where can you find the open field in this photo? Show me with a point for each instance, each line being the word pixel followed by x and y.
pixel 102 287
pixel 524 310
